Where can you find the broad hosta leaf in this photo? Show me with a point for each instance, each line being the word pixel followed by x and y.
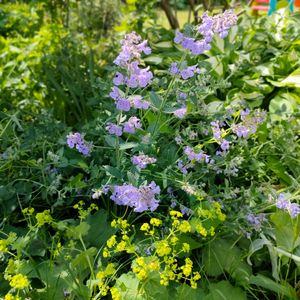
pixel 154 60
pixel 293 80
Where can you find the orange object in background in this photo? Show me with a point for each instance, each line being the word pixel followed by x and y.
pixel 297 3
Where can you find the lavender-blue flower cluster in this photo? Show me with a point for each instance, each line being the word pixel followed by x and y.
pixel 142 161
pixel 292 208
pixel 141 198
pixel 76 140
pixel 129 126
pixel 217 134
pixel 186 73
pixel 219 24
pixel 129 59
pixel 249 123
pixel 256 220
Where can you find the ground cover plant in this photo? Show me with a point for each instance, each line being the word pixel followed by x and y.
pixel 178 185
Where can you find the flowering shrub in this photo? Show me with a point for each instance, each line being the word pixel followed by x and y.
pixel 176 195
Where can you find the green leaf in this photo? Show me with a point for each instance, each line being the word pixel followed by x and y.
pixel 128 285
pixel 287 230
pixel 223 290
pixel 164 45
pixel 100 230
pixel 111 140
pixel 114 172
pixel 155 100
pixel 216 65
pixel 76 232
pixel 269 284
pixel 293 80
pixel 220 256
pixel 184 291
pixel 154 289
pixel 153 60
pixel 125 146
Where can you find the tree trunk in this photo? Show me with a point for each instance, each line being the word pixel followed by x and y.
pixel 165 5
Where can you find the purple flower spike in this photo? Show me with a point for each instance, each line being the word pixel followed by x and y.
pixel 114 129
pixel 132 124
pixel 180 113
pixel 76 140
pixel 141 199
pixel 142 161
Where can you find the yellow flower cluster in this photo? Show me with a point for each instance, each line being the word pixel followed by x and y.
pixel 3 246
pixel 102 277
pixel 113 245
pixel 83 213
pixel 175 273
pixel 214 212
pixel 57 250
pixel 166 250
pixel 10 296
pixel 142 266
pixel 218 212
pixel 43 218
pixel 162 248
pixel 18 281
pixel 4 243
pixel 28 211
pixel 115 294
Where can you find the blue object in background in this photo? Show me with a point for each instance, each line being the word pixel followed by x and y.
pixel 273 3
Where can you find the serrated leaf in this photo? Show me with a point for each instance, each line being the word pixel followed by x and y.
pixel 223 290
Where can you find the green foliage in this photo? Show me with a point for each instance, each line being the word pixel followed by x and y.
pixel 218 232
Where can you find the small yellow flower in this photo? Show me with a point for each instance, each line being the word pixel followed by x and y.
pixel 111 241
pixel 140 261
pixel 105 253
pixel 200 229
pixel 175 214
pixel 145 227
pixel 187 268
pixel 174 240
pixel 43 218
pixel 11 297
pixel 125 237
pixel 18 281
pixel 100 275
pixel 185 247
pixel 124 224
pixel 142 274
pixel 3 246
pixel 162 248
pixel 113 224
pixel 185 227
pixel 196 276
pixel 155 222
pixel 121 246
pixel 28 211
pixel 115 294
pixel 154 265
